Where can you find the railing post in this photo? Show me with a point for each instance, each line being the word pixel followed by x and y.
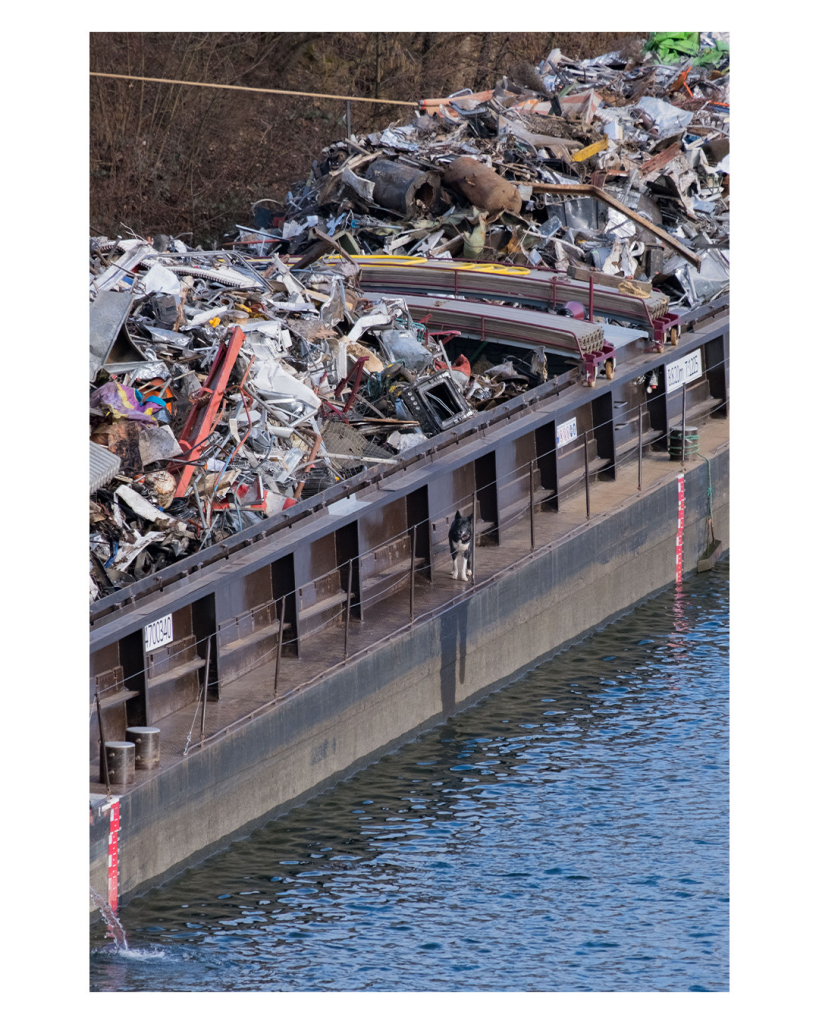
pixel 204 694
pixel 532 504
pixel 103 752
pixel 682 440
pixel 427 524
pixel 474 531
pixel 279 650
pixel 412 576
pixel 349 597
pixel 586 471
pixel 640 446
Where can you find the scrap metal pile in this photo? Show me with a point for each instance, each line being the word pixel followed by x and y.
pixel 220 395
pixel 227 385
pixel 594 163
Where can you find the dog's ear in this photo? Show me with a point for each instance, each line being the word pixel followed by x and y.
pixel 470 518
pixel 458 515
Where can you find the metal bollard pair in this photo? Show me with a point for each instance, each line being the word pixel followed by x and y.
pixel 140 752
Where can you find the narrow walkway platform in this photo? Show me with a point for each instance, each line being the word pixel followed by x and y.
pixel 324 650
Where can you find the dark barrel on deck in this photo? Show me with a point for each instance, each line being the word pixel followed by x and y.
pixel 675 443
pixel 145 739
pixel 120 757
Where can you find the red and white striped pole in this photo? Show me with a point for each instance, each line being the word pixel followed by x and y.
pixel 113 855
pixel 680 524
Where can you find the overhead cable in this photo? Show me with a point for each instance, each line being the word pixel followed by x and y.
pixel 248 88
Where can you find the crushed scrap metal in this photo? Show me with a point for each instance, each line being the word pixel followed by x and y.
pixel 419 275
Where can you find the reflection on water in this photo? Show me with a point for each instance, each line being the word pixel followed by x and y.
pixel 568 833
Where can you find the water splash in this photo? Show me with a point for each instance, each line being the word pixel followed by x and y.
pixel 111 919
pixel 155 953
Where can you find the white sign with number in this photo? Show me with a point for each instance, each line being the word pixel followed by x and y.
pixel 158 633
pixel 566 432
pixel 685 369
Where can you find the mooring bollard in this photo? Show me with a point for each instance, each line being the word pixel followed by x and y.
pixel 683 445
pixel 145 739
pixel 119 755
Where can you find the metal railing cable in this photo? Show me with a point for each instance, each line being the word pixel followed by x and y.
pixel 391 582
pixel 505 410
pixel 419 619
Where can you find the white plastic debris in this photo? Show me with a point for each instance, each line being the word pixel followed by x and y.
pixel 160 279
pixel 667 118
pixel 272 378
pixel 403 442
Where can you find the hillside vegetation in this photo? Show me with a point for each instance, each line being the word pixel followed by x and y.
pixel 190 161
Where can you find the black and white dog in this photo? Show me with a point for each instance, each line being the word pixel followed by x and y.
pixel 460 546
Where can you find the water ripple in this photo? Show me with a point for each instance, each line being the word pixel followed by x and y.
pixel 568 833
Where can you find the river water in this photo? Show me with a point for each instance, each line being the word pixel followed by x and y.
pixel 568 833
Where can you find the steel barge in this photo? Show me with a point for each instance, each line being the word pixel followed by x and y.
pixel 260 671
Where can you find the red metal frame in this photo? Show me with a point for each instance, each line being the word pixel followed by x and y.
pixel 448 335
pixel 201 418
pixel 661 325
pixel 354 375
pixel 256 499
pixel 591 360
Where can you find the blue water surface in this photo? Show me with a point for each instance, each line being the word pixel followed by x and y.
pixel 567 833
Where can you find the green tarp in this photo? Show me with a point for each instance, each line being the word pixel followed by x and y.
pixel 713 56
pixel 672 47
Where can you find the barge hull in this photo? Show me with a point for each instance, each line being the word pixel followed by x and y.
pixel 357 712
